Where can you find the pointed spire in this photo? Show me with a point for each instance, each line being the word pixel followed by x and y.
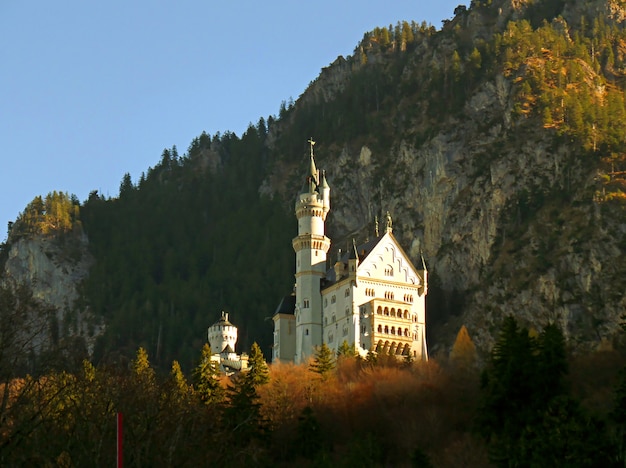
pixel 313 174
pixel 324 183
pixel 422 259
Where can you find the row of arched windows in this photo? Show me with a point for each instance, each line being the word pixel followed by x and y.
pixel 408 298
pixel 393 331
pixel 399 349
pixel 389 295
pixel 369 292
pixel 399 313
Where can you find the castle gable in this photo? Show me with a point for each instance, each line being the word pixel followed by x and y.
pixel 386 260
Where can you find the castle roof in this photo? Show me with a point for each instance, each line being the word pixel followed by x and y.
pixel 361 252
pixel 287 305
pixel 223 320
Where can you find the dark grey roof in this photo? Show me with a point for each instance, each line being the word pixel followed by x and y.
pixel 223 321
pixel 362 251
pixel 287 305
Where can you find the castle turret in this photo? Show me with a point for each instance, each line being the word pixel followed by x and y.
pixel 311 246
pixel 222 336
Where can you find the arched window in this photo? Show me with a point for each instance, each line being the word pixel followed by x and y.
pixel 386 312
pixel 379 311
pixel 380 328
pixel 347 293
pixel 393 330
pixel 387 329
pixel 393 312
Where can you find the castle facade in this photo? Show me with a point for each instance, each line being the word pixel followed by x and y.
pixel 372 297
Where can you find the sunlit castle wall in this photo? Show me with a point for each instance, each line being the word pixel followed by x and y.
pixel 222 334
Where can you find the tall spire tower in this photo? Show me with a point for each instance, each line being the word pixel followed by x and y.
pixel 311 246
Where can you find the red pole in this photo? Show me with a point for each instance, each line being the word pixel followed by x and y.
pixel 120 451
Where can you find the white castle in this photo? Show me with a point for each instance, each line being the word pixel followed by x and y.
pixel 373 297
pixel 222 339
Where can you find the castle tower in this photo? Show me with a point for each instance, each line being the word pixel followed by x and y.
pixel 311 246
pixel 222 336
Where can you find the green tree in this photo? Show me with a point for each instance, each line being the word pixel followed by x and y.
pixel 323 362
pixel 258 372
pixel 346 350
pixel 207 378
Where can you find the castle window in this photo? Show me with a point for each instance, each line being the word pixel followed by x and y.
pixel 305 303
pixel 306 332
pixel 393 330
pixel 388 270
pixel 380 328
pixel 386 312
pixel 347 293
pixel 333 299
pixel 347 311
pixel 387 329
pixel 331 337
pixel 379 311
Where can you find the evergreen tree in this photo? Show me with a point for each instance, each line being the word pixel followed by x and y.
pixel 346 350
pixel 258 373
pixel 323 362
pixel 206 378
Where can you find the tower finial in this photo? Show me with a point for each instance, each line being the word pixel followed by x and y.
pixel 312 143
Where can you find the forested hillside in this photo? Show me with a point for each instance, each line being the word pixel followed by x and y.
pixel 496 142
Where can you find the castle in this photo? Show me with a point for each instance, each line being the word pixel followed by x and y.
pixel 372 298
pixel 222 337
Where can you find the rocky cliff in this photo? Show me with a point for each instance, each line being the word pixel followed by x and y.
pixel 54 267
pixel 504 207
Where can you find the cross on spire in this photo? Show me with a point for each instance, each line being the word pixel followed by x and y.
pixel 312 143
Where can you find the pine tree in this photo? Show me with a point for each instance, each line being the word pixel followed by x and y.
pixel 323 362
pixel 346 350
pixel 258 372
pixel 206 378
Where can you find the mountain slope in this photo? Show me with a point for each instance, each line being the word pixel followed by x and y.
pixel 496 143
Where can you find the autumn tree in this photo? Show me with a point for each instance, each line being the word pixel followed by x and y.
pixel 463 354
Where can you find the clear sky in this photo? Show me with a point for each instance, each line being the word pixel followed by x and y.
pixel 91 90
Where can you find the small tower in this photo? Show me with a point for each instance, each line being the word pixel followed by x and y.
pixel 223 336
pixel 311 246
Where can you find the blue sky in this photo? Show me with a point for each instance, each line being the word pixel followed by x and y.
pixel 92 90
